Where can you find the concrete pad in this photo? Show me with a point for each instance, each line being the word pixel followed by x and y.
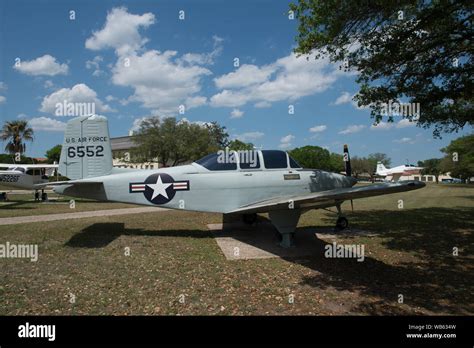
pixel 240 242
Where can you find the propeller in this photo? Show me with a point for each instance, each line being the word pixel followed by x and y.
pixel 347 161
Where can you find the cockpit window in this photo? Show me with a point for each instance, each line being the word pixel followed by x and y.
pixel 215 161
pixel 293 163
pixel 19 169
pixel 249 159
pixel 274 159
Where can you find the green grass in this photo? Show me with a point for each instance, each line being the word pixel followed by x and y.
pixel 173 253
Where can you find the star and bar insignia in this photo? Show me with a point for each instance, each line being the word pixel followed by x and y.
pixel 159 188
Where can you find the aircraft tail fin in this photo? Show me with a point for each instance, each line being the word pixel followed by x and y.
pixel 380 168
pixel 86 150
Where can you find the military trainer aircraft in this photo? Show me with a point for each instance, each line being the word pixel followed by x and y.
pixel 270 182
pixel 27 176
pixel 396 172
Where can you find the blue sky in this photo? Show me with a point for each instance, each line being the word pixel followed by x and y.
pixel 136 59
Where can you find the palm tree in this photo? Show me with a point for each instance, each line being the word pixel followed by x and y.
pixel 16 132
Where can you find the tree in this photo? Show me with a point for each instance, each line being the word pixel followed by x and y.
pixel 238 145
pixel 361 165
pixel 432 166
pixel 373 158
pixel 16 133
pixel 418 51
pixel 54 154
pixel 312 157
pixel 459 159
pixel 336 163
pixel 174 142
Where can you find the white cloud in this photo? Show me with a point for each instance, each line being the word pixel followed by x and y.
pixel 405 140
pixel 159 81
pixel 48 84
pixel 3 86
pixel 194 102
pixel 317 129
pixel 45 65
pixel 47 124
pixel 344 98
pixel 262 104
pixel 288 78
pixel 352 129
pixel 382 126
pixel 21 115
pixel 405 123
pixel 95 65
pixel 110 98
pixel 249 136
pixel 162 81
pixel 236 113
pixel 2 99
pixel 120 32
pixel 79 93
pixel 204 58
pixel 246 75
pixel 285 142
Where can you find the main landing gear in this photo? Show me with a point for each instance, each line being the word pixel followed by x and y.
pixel 342 223
pixel 44 196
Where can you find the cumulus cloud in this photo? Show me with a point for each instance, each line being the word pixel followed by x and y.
pixel 45 65
pixel 121 32
pixel 250 136
pixel 403 123
pixel 79 93
pixel 317 129
pixel 94 64
pixel 2 99
pixel 47 124
pixel 161 81
pixel 285 142
pixel 352 129
pixel 344 98
pixel 288 78
pixel 236 113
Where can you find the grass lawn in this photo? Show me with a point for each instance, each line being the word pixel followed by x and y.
pixel 173 254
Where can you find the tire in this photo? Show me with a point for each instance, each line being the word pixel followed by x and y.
pixel 249 219
pixel 342 223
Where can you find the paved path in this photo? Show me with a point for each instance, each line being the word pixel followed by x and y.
pixel 79 215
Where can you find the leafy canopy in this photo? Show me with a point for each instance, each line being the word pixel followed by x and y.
pixel 415 51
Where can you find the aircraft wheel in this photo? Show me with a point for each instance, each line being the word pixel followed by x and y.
pixel 342 223
pixel 249 219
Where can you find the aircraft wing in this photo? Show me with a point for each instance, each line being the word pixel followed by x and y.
pixel 327 198
pixel 29 165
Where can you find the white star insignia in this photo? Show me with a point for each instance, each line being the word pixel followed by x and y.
pixel 159 188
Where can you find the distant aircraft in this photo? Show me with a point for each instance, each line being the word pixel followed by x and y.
pixel 27 176
pixel 396 172
pixel 272 182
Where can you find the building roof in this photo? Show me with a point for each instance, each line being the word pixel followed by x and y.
pixel 122 143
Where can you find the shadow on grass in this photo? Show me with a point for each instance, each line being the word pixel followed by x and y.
pixel 99 235
pixel 16 205
pixel 441 283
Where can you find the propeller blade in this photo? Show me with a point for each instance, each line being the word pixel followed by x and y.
pixel 347 161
